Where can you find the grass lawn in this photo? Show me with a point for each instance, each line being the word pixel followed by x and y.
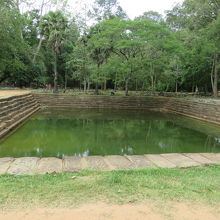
pixel 201 184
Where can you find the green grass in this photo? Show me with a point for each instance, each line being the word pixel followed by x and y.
pixel 200 184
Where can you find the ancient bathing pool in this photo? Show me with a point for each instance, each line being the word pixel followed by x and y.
pixel 84 132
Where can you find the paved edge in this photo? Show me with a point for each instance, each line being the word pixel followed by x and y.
pixel 35 165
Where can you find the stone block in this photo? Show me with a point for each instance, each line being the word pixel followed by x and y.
pixel 119 162
pixel 160 161
pixel 140 161
pixel 49 165
pixel 214 157
pixel 180 160
pixel 5 164
pixel 72 164
pixel 23 166
pixel 97 163
pixel 199 158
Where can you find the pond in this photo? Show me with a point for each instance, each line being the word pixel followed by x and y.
pixel 86 132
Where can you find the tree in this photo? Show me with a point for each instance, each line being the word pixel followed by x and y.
pixel 14 50
pixel 213 34
pixel 99 51
pixel 40 20
pixel 53 28
pixel 152 15
pixel 139 44
pixel 80 60
pixel 200 19
pixel 107 9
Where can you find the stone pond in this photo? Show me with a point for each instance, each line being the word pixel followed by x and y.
pixel 72 133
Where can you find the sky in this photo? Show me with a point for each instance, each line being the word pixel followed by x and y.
pixel 133 8
pixel 137 7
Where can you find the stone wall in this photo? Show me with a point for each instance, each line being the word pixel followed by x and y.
pixel 93 101
pixel 14 110
pixel 203 109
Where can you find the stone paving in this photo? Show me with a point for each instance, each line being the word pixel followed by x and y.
pixel 34 165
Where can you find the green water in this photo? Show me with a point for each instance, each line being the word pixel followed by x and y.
pixel 80 132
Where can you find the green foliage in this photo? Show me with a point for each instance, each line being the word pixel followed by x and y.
pixel 13 48
pixel 176 53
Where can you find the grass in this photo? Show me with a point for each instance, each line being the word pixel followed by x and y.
pixel 199 184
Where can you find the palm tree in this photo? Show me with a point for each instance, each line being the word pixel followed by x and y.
pixel 53 29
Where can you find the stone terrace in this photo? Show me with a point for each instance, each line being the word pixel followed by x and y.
pixel 34 165
pixel 14 110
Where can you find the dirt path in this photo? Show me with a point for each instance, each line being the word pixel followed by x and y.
pixel 8 93
pixel 177 211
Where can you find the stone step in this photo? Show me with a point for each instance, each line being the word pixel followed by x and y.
pixel 2 126
pixel 14 99
pixel 7 108
pixel 25 111
pixel 10 98
pixel 17 110
pixel 34 165
pixel 20 118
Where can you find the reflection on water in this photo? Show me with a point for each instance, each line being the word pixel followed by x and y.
pixel 62 133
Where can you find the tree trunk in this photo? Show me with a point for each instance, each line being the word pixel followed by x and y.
pixel 214 76
pixel 155 83
pixel 152 77
pixel 215 88
pixel 55 88
pixel 167 87
pixel 84 84
pixel 105 85
pixel 17 3
pixel 96 88
pixel 88 85
pixel 143 85
pixel 41 37
pixel 212 72
pixel 176 86
pixel 126 87
pixel 152 82
pixel 37 50
pixel 115 84
pixel 96 84
pixel 65 84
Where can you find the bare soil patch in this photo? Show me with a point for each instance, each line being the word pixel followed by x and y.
pixel 8 93
pixel 100 211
